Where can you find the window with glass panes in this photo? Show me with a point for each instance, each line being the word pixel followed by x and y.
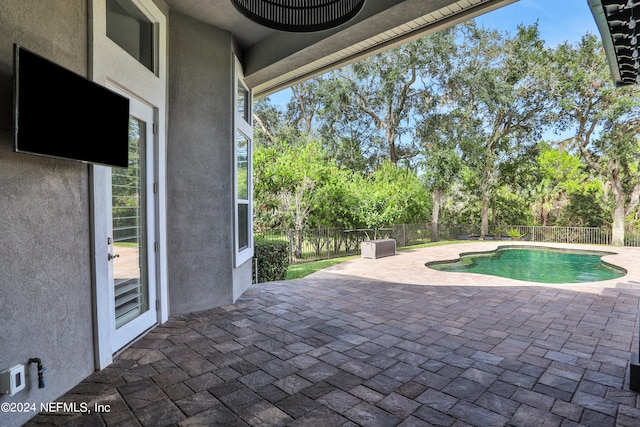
pixel 242 169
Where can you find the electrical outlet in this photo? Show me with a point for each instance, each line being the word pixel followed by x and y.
pixel 12 380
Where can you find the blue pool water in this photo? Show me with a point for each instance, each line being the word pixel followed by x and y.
pixel 535 264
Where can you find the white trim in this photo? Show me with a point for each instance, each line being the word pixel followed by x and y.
pixel 130 331
pixel 111 65
pixel 103 318
pixel 242 125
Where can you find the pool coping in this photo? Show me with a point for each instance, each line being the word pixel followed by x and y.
pixel 408 266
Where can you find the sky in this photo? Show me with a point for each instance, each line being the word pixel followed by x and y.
pixel 558 21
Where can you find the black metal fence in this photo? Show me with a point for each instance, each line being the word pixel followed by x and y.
pixel 584 235
pixel 321 243
pixel 324 243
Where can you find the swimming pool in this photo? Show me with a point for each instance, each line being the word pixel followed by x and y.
pixel 535 264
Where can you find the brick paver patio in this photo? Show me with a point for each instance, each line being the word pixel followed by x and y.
pixel 339 350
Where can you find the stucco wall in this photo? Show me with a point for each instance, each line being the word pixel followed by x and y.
pixel 199 166
pixel 45 271
pixel 242 277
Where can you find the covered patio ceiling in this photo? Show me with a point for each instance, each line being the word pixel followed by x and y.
pixel 618 22
pixel 275 59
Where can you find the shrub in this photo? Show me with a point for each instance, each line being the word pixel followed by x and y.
pixel 514 233
pixel 273 260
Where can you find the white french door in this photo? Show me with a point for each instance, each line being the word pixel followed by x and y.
pixel 130 278
pixel 132 260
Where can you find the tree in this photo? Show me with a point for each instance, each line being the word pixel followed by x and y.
pixel 298 188
pixel 351 138
pixel 509 208
pixel 295 124
pixel 443 164
pixel 127 203
pixel 496 85
pixel 271 128
pixel 305 103
pixel 442 160
pixel 585 207
pixel 391 195
pixel 590 104
pixel 619 165
pixel 559 176
pixel 386 88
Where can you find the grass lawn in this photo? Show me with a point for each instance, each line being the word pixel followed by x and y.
pixel 297 271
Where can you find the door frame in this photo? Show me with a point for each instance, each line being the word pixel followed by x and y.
pixel 111 66
pixel 131 330
pixel 107 343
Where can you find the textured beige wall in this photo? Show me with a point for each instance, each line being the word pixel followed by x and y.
pixel 45 264
pixel 199 166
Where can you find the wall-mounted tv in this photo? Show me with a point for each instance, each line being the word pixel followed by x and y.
pixel 59 113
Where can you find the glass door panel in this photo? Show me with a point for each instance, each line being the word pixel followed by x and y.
pixel 132 256
pixel 129 230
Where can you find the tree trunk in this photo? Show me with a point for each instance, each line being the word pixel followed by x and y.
pixel 486 186
pixel 617 228
pixel 391 144
pixel 543 213
pixel 484 219
pixel 435 213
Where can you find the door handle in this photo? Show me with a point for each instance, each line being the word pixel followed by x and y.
pixel 110 257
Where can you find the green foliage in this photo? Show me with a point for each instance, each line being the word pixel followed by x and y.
pixel 299 188
pixel 510 208
pixel 452 123
pixel 297 271
pixel 586 208
pixel 272 128
pixel 126 190
pixel 391 195
pixel 563 171
pixel 375 100
pixel 272 259
pixel 514 233
pixel 587 100
pixel 442 159
pixel 558 176
pixel 500 103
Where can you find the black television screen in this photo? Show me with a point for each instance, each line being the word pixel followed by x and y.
pixel 59 113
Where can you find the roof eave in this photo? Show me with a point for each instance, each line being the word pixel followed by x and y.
pixel 599 14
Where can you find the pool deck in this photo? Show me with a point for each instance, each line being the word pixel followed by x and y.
pixel 382 343
pixel 408 266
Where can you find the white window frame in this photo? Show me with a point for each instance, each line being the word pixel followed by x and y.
pixel 124 28
pixel 242 126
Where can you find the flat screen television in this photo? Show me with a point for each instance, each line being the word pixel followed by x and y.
pixel 58 113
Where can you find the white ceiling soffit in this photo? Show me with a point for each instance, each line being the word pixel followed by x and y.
pixel 440 19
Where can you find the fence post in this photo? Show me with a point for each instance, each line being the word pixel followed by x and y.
pixel 404 233
pixel 255 263
pixel 328 242
pixel 292 246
